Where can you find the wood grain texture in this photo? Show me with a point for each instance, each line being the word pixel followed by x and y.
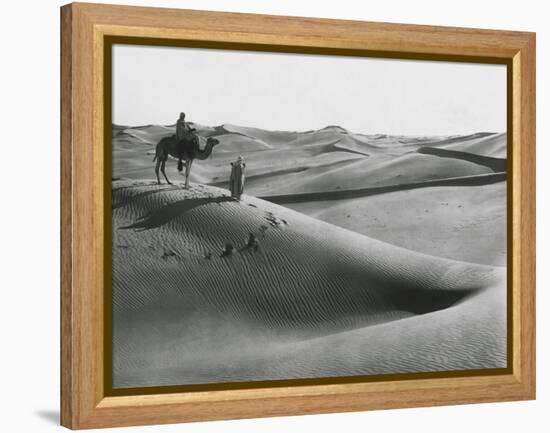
pixel 524 216
pixel 84 26
pixel 67 394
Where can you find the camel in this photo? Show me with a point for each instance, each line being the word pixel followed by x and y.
pixel 186 150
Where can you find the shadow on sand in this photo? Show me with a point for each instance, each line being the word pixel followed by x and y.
pixel 157 190
pixel 167 213
pixel 422 301
pixel 475 180
pixel 498 165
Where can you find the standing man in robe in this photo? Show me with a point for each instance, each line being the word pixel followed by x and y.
pixel 236 181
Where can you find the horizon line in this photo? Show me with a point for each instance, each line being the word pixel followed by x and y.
pixel 311 130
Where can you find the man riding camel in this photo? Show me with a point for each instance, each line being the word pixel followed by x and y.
pixel 182 129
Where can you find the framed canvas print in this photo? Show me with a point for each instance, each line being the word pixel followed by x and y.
pixel 270 216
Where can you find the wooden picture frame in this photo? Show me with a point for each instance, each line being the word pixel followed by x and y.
pixel 85 28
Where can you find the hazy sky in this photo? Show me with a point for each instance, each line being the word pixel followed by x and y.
pixel 151 85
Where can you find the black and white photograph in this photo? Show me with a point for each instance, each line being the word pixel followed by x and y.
pixel 280 216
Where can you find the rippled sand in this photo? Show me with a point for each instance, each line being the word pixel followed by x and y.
pixel 308 299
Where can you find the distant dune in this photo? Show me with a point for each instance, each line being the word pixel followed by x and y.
pixel 487 144
pixel 305 299
pixel 498 165
pixel 456 222
pixel 291 162
pixel 483 179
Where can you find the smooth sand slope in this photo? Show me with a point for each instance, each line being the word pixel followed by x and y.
pixel 309 299
pixel 461 223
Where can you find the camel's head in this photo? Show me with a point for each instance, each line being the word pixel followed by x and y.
pixel 212 141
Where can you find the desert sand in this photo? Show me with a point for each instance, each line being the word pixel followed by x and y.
pixel 373 254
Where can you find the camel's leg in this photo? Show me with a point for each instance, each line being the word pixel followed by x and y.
pixel 163 172
pixel 187 172
pixel 157 171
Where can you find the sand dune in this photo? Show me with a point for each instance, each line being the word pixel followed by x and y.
pixel 289 162
pixel 339 169
pixel 240 143
pixel 271 137
pixel 380 172
pixel 150 134
pixel 498 165
pixel 397 292
pixel 456 222
pixel 483 179
pixel 489 145
pixel 310 299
